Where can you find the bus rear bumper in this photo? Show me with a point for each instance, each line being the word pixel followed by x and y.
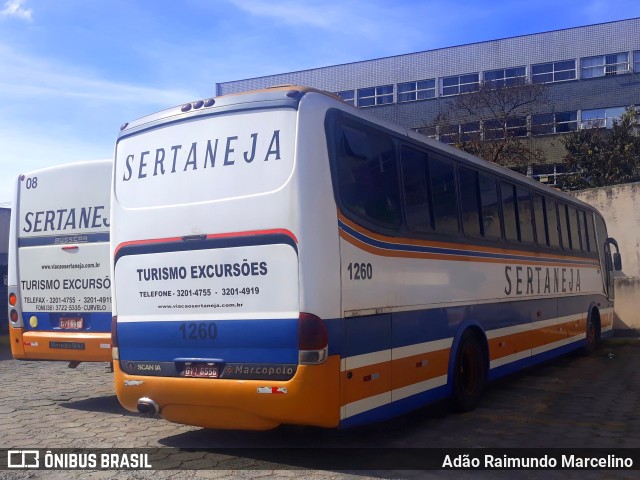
pixel 62 346
pixel 310 398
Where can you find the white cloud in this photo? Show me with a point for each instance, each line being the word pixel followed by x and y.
pixel 52 112
pixel 293 12
pixel 29 77
pixel 13 8
pixel 361 18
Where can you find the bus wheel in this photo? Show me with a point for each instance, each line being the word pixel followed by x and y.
pixel 469 374
pixel 592 334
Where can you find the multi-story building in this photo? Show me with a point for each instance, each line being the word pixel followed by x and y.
pixel 591 74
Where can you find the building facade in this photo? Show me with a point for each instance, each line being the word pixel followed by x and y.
pixel 592 73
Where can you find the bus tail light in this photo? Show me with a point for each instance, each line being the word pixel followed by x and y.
pixel 115 353
pixel 15 314
pixel 313 340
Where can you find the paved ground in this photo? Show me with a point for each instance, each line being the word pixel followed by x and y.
pixel 570 402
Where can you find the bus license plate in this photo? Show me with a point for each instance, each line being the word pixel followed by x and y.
pixel 74 323
pixel 201 370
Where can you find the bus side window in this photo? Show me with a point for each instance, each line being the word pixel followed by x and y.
pixel 525 224
pixel 444 197
pixel 593 244
pixel 509 211
pixel 469 199
pixel 369 176
pixel 490 207
pixel 564 226
pixel 552 222
pixel 539 214
pixel 574 229
pixel 415 183
pixel 586 243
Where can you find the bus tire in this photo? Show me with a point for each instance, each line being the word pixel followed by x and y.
pixel 592 332
pixel 469 373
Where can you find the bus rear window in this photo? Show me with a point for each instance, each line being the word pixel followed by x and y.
pixel 207 159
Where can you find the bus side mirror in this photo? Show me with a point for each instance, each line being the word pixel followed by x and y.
pixel 617 261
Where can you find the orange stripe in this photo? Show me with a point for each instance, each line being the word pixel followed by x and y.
pixel 418 368
pixel 357 387
pixel 519 342
pixel 439 256
pixel 407 371
pixel 471 248
pixel 92 352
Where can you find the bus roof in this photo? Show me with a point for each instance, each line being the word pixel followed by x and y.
pixel 293 93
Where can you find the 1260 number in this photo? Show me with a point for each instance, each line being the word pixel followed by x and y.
pixel 198 331
pixel 360 271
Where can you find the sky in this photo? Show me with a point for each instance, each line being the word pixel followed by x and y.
pixel 73 71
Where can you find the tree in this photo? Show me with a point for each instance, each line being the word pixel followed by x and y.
pixel 491 122
pixel 597 157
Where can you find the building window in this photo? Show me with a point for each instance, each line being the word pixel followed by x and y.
pixel 449 133
pixel 465 132
pixel 559 122
pixel 420 90
pixel 600 117
pixel 460 84
pixel 636 61
pixel 553 72
pixel 505 77
pixel 604 65
pixel 348 96
pixel 368 97
pixel 512 127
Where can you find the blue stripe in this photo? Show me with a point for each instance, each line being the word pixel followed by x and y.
pixel 93 321
pixel 399 329
pixel 249 341
pixel 367 334
pixel 450 251
pixel 518 365
pixel 63 239
pixel 397 408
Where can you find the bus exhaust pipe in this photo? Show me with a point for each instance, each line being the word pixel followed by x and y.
pixel 147 407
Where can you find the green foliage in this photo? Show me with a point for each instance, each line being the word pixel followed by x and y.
pixel 598 157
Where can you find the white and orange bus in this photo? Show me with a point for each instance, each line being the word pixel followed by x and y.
pixel 59 270
pixel 281 257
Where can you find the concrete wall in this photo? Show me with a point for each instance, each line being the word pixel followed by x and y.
pixel 620 206
pixel 627 315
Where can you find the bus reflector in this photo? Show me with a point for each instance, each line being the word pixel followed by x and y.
pixel 12 299
pixel 13 316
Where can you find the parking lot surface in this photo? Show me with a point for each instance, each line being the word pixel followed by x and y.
pixel 570 402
